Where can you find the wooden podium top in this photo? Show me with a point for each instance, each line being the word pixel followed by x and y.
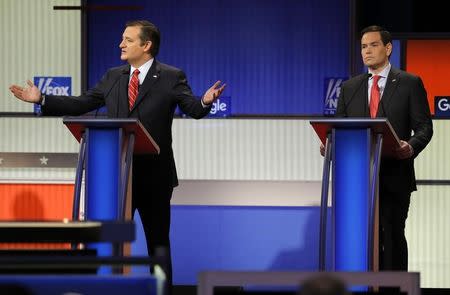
pixel 144 143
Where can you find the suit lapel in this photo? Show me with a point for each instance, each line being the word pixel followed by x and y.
pixel 391 85
pixel 150 79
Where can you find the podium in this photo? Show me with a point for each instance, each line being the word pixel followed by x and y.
pixel 105 160
pixel 353 150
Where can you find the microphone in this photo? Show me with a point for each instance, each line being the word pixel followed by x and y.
pixel 125 71
pixel 382 108
pixel 106 93
pixel 364 80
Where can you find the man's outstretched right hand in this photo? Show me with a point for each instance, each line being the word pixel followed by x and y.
pixel 28 94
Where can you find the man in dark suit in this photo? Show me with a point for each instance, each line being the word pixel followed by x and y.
pixel 402 99
pixel 150 91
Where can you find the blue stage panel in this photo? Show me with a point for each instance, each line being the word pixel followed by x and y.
pixel 102 181
pixel 242 238
pixel 352 185
pixel 103 164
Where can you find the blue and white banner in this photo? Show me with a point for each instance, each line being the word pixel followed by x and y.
pixel 52 86
pixel 332 91
pixel 221 107
pixel 442 106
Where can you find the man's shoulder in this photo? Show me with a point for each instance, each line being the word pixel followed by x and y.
pixel 169 72
pixel 159 65
pixel 115 72
pixel 356 80
pixel 119 69
pixel 404 75
pixel 167 67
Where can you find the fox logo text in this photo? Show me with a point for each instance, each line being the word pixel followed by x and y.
pixel 332 91
pixel 221 107
pixel 442 106
pixel 54 85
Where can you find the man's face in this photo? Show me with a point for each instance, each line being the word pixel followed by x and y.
pixel 374 53
pixel 133 51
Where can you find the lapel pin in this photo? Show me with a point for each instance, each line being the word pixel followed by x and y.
pixel 155 76
pixel 393 80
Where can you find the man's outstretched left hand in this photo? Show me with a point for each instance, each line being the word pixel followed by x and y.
pixel 213 93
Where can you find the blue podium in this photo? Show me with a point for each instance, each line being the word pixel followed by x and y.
pixel 353 150
pixel 105 160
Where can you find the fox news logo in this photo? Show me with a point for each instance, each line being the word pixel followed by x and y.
pixel 442 106
pixel 332 91
pixel 52 86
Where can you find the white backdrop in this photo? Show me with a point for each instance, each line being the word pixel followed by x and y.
pixel 37 41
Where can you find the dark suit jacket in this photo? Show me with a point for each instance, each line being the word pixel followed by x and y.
pixel 404 103
pixel 163 89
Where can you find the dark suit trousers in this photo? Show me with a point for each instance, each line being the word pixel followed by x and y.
pixel 151 197
pixel 393 247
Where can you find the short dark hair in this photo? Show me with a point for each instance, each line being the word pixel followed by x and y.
pixel 149 32
pixel 386 37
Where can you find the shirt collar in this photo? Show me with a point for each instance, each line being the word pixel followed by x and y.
pixel 384 73
pixel 143 70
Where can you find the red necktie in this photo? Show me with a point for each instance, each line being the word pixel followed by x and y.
pixel 374 97
pixel 133 88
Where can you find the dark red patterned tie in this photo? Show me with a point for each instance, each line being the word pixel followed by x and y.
pixel 374 97
pixel 133 89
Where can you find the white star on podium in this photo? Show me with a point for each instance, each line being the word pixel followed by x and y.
pixel 43 160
